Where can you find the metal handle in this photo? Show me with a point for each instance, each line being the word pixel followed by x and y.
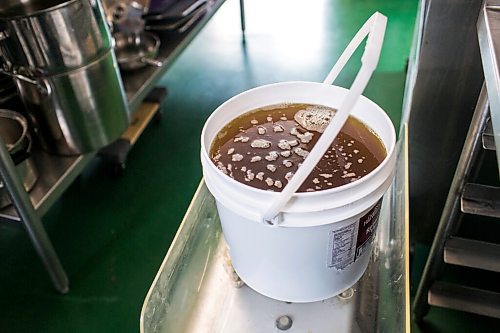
pixel 19 76
pixel 152 62
pixel 44 87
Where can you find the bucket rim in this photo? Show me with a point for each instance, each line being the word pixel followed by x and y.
pixel 334 190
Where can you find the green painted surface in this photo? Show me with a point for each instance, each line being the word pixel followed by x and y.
pixel 112 234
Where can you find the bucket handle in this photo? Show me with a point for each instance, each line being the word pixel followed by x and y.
pixel 374 27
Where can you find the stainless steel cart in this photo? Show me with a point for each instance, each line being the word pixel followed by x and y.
pixel 58 172
pixel 196 290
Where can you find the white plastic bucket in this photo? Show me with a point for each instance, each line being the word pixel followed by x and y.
pixel 304 247
pixel 298 261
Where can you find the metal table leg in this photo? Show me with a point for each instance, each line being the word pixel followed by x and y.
pixel 31 221
pixel 242 15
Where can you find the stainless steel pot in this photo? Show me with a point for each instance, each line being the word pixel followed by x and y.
pixel 135 51
pixel 14 132
pixel 79 111
pixel 52 36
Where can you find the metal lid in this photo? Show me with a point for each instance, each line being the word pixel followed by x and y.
pixel 15 9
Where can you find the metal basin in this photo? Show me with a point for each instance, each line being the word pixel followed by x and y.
pixel 137 50
pixel 14 132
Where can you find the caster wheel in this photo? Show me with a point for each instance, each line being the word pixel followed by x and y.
pixel 157 117
pixel 118 169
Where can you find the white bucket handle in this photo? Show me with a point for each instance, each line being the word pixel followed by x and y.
pixel 375 28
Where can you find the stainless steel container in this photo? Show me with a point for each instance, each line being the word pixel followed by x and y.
pixel 14 132
pixel 61 55
pixel 52 36
pixel 78 111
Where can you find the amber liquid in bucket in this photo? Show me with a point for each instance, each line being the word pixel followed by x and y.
pixel 263 148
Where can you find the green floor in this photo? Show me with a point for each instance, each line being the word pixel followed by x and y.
pixel 112 234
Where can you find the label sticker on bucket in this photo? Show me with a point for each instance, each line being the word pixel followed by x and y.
pixel 350 242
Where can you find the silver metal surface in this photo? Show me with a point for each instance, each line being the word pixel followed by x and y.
pixel 137 50
pixel 488 139
pixel 283 323
pixel 472 253
pixel 124 9
pixel 138 83
pixel 450 217
pixel 123 14
pixel 488 27
pixel 56 174
pixel 481 200
pixel 177 11
pixel 60 55
pixel 14 132
pixel 51 37
pixel 467 299
pixel 31 221
pixel 194 290
pixel 181 24
pixel 84 109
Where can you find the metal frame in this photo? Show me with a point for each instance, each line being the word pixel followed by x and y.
pixel 450 217
pixel 31 221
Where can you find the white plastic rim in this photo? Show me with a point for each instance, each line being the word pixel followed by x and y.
pixel 250 201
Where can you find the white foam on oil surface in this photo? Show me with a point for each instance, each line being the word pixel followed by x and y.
pixel 314 118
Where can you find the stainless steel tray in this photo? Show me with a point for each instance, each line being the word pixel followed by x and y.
pixel 195 290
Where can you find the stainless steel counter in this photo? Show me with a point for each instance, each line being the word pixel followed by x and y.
pixel 196 291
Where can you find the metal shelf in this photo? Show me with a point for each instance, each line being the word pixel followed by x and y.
pixel 56 173
pixel 138 84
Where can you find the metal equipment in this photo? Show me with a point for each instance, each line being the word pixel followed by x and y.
pixel 467 197
pixel 66 76
pixel 57 172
